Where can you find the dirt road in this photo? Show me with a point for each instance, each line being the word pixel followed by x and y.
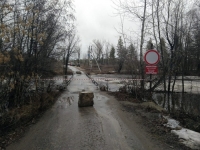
pixel 104 126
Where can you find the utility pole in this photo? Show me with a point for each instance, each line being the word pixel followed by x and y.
pixel 90 61
pixel 89 56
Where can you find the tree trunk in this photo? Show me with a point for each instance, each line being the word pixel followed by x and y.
pixel 161 47
pixel 66 64
pixel 141 46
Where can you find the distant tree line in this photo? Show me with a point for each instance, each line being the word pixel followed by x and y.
pixel 117 56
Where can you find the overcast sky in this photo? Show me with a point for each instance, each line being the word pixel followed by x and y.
pixel 96 19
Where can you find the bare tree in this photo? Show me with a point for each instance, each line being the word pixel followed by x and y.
pixel 71 47
pixel 130 9
pixel 30 33
pixel 107 52
pixel 98 49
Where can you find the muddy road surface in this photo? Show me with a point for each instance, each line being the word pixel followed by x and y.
pixel 105 126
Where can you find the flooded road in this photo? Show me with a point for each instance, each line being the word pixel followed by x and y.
pixel 104 126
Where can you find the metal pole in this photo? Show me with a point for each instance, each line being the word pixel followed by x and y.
pixel 151 74
pixel 150 82
pixel 89 56
pixel 90 59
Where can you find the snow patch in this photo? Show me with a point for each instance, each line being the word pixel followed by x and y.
pixel 171 123
pixel 188 137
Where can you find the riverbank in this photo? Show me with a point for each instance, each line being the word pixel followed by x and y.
pixel 14 123
pixel 157 122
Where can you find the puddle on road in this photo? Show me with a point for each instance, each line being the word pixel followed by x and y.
pixel 99 97
pixel 66 101
pixel 75 92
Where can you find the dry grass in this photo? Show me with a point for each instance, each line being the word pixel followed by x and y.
pixel 21 116
pixel 14 123
pixel 58 68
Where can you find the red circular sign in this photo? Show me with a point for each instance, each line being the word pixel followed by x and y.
pixel 151 57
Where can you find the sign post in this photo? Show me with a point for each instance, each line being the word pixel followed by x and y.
pixel 151 58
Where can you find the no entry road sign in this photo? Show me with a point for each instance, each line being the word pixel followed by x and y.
pixel 151 57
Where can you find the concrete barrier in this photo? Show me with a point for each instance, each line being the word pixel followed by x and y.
pixel 86 99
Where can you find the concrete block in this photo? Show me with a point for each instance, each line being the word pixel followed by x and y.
pixel 86 99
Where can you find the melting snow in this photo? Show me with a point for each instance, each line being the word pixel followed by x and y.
pixel 188 137
pixel 171 123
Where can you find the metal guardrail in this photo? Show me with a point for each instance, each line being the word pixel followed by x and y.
pixel 93 81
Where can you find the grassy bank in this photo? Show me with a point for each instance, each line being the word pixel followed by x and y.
pixel 13 122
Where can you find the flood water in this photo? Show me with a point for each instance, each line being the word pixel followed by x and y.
pixel 189 102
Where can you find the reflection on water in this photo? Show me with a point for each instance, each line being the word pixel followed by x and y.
pixel 112 81
pixel 188 102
